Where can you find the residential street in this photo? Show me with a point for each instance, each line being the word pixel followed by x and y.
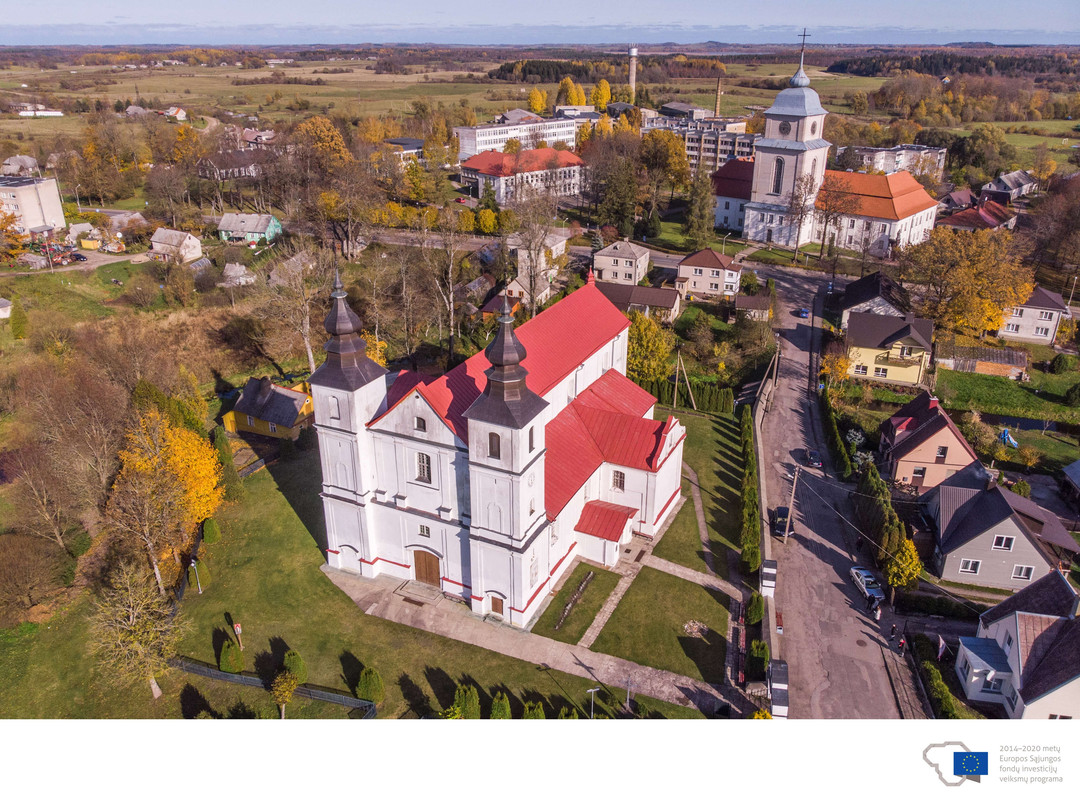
pixel 835 652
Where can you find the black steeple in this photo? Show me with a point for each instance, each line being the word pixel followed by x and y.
pixel 507 399
pixel 347 366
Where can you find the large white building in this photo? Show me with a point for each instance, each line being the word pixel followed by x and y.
pixel 35 201
pixel 910 157
pixel 525 127
pixel 547 169
pixel 487 481
pixel 889 211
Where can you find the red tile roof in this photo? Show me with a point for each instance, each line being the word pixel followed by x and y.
pixel 496 164
pixel 734 178
pixel 708 258
pixel 893 196
pixel 987 215
pixel 557 341
pixel 603 519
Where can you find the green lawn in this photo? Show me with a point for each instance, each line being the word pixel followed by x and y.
pixel 1041 397
pixel 584 611
pixel 712 449
pixel 647 626
pixel 671 238
pixel 266 576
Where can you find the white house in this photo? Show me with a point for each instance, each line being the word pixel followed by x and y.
pixel 520 286
pixel 1037 320
pixel 1026 653
pixel 487 481
pixel 517 124
pixel 175 245
pixel 708 273
pixel 621 262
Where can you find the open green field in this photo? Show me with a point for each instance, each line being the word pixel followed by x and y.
pixel 648 626
pixel 1041 397
pixel 712 449
pixel 266 576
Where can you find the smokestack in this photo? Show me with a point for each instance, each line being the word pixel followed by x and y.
pixel 719 92
pixel 633 74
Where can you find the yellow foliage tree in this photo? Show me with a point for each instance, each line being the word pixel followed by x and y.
pixel 376 348
pixel 466 221
pixel 579 99
pixel 12 243
pixel 188 149
pixel 324 143
pixel 601 95
pixel 487 221
pixel 835 363
pixel 537 101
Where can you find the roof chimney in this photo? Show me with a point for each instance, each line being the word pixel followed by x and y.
pixel 933 403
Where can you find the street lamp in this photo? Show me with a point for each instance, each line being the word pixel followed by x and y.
pixel 592 705
pixel 723 247
pixel 195 567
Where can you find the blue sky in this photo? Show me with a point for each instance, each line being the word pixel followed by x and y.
pixel 552 21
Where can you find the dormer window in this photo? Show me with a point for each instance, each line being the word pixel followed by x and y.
pixel 420 424
pixel 494 445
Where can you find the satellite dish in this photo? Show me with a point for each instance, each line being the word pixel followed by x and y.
pixel 119 234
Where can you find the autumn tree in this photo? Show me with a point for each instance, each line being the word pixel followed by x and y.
pixel 800 207
pixel 649 349
pixel 12 242
pixel 168 482
pixel 349 207
pixel 903 568
pixel 134 629
pixel 1044 166
pixel 834 201
pixel 298 287
pixel 537 101
pixel 700 215
pixel 535 209
pixel 601 95
pixel 320 146
pixel 971 278
pixel 663 158
pixel 29 571
pixel 836 362
pixel 512 146
pixel 283 689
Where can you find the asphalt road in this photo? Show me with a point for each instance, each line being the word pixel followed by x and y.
pixel 832 646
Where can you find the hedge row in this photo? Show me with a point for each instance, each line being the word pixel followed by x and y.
pixel 911 603
pixel 708 397
pixel 750 530
pixel 876 515
pixel 837 448
pixel 941 698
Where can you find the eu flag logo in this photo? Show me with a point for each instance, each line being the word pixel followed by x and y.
pixel 968 763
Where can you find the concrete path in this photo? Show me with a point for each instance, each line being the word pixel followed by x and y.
pixel 706 579
pixel 380 597
pixel 699 511
pixel 602 616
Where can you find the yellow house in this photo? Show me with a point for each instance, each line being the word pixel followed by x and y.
pixel 269 409
pixel 889 349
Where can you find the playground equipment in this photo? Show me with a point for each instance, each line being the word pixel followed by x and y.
pixel 1008 439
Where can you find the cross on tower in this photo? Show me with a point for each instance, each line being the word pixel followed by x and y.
pixel 803 36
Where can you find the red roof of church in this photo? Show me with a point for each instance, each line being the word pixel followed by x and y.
pixel 893 196
pixel 557 341
pixel 497 164
pixel 734 178
pixel 603 519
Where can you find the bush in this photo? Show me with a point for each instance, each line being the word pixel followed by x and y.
pixel 234 488
pixel 232 658
pixel 211 533
pixel 837 448
pixel 909 602
pixel 500 706
pixel 294 664
pixel 467 702
pixel 938 692
pixel 1072 395
pixel 534 709
pixel 757 661
pixel 755 610
pixel 1023 488
pixel 370 687
pixel 568 712
pixel 78 542
pixel 1063 363
pixel 751 557
pixel 203 578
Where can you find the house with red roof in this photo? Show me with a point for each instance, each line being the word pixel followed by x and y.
pixel 487 481
pixel 708 273
pixel 557 170
pixel 921 446
pixel 985 215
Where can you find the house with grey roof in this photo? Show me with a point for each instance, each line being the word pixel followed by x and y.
pixel 19 165
pixel 649 300
pixel 249 228
pixel 174 245
pixel 1009 187
pixel 270 409
pixel 1025 655
pixel 621 262
pixel 876 293
pixel 236 275
pixel 984 534
pixel 1037 320
pixel 895 350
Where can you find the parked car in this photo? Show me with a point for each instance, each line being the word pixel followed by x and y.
pixel 803 313
pixel 780 521
pixel 866 583
pixel 78 257
pixel 813 459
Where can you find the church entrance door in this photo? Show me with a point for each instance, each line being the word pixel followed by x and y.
pixel 427 568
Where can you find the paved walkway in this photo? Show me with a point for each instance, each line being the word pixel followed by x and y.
pixel 389 599
pixel 602 616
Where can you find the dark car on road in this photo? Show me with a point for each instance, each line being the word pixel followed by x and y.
pixel 78 257
pixel 780 521
pixel 813 459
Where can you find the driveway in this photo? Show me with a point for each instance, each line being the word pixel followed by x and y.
pixel 835 651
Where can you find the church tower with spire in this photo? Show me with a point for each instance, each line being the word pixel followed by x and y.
pixel 347 390
pixel 507 426
pixel 792 146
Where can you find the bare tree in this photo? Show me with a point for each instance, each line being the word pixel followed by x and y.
pixel 28 572
pixel 535 209
pixel 801 206
pixel 134 628
pixel 298 286
pixel 442 245
pixel 835 200
pixel 410 301
pixel 43 502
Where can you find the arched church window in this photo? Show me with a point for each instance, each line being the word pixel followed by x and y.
pixel 494 445
pixel 778 175
pixel 813 168
pixel 532 443
pixel 335 408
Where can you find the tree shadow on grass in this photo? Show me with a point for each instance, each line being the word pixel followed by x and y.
pixel 708 654
pixel 300 480
pixel 351 668
pixel 219 637
pixel 442 685
pixel 193 703
pixel 269 663
pixel 414 696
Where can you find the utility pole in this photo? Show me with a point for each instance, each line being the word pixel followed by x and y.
pixel 1071 291
pixel 791 505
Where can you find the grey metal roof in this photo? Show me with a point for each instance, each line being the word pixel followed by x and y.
pixel 791 145
pixel 796 102
pixel 874 285
pixel 1050 595
pixel 245 222
pixel 172 238
pixel 1042 298
pixel 1052 662
pixel 623 295
pixel 869 330
pixel 987 652
pixel 271 403
pixel 1072 472
pixel 622 249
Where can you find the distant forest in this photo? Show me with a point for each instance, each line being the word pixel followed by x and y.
pixel 944 63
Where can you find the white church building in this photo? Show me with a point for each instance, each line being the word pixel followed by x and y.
pixel 891 211
pixel 485 482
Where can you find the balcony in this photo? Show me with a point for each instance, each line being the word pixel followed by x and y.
pixel 889 358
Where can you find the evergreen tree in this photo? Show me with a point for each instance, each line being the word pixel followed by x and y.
pixel 230 478
pixel 467 701
pixel 700 217
pixel 500 706
pixel 619 203
pixel 487 198
pixel 534 709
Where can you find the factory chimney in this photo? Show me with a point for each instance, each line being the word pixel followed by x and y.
pixel 633 74
pixel 719 92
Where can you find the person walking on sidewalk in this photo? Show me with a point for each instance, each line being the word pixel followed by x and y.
pixel 892 633
pixel 900 647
